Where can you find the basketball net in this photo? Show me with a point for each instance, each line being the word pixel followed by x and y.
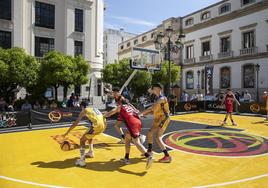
pixel 150 68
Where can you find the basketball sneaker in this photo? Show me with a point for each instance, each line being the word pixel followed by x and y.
pixel 234 124
pixel 80 162
pixel 126 161
pixel 122 141
pixel 165 159
pixel 224 123
pixel 89 154
pixel 142 138
pixel 149 162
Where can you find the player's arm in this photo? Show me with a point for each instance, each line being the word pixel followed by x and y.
pixel 112 112
pixel 236 100
pixel 81 115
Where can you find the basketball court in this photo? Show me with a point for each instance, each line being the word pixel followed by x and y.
pixel 204 155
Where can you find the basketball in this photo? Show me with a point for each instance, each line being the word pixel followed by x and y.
pixel 65 146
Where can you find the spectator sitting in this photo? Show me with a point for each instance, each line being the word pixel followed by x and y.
pixel 247 97
pixel 26 106
pixel 194 97
pixel 64 102
pixel 53 104
pixel 36 105
pixel 70 102
pixel 45 105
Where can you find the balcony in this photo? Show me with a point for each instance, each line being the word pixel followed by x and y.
pixel 227 54
pixel 189 61
pixel 206 58
pixel 249 51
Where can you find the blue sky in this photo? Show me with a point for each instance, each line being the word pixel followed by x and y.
pixel 138 16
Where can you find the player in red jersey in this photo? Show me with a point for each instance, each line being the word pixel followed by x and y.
pixel 229 100
pixel 129 114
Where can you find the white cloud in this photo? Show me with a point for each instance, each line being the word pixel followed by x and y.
pixel 133 21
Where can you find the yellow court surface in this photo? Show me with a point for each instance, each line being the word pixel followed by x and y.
pixel 209 156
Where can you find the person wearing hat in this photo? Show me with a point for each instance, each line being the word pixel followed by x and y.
pixel 161 119
pixel 98 125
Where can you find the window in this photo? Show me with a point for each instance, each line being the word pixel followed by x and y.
pixel 5 9
pixel 267 48
pixel 225 44
pixel 246 2
pixel 152 35
pixel 249 76
pixel 248 39
pixel 79 20
pixel 128 44
pixel 190 21
pixel 43 46
pixel 225 8
pixel 189 80
pixel 5 39
pixel 78 48
pixel 122 47
pixel 44 15
pixel 136 42
pixel 206 48
pixel 189 52
pixel 144 38
pixel 225 77
pixel 205 16
pixel 203 79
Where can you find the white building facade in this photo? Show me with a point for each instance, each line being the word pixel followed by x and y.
pixel 111 39
pixel 72 27
pixel 231 36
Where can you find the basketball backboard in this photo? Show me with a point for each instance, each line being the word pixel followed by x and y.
pixel 145 59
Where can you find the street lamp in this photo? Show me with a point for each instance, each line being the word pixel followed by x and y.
pixel 198 84
pixel 257 66
pixel 168 48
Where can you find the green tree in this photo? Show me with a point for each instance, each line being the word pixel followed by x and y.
pixel 117 74
pixel 17 70
pixel 162 75
pixel 56 70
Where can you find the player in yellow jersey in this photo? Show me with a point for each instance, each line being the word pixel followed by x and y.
pixel 98 125
pixel 161 119
pixel 265 98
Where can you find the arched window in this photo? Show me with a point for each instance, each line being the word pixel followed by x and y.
pixel 225 77
pixel 189 21
pixel 225 8
pixel 248 77
pixel 205 15
pixel 189 80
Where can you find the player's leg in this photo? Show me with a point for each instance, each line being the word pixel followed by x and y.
pixel 225 119
pixel 231 117
pixel 90 153
pixel 150 138
pixel 127 148
pixel 118 128
pixel 162 128
pixel 81 162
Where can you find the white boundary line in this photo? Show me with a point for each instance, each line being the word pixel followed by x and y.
pixel 30 183
pixel 232 182
pixel 228 157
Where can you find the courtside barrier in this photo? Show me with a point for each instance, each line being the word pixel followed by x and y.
pixel 14 119
pixel 252 108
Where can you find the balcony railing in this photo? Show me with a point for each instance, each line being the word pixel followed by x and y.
pixel 206 58
pixel 39 59
pixel 189 61
pixel 249 51
pixel 223 55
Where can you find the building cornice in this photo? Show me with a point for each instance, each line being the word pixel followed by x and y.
pixel 224 18
pixel 225 32
pixel 227 60
pixel 206 37
pixel 250 26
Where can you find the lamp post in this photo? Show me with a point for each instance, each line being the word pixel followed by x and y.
pixel 257 66
pixel 198 84
pixel 169 47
